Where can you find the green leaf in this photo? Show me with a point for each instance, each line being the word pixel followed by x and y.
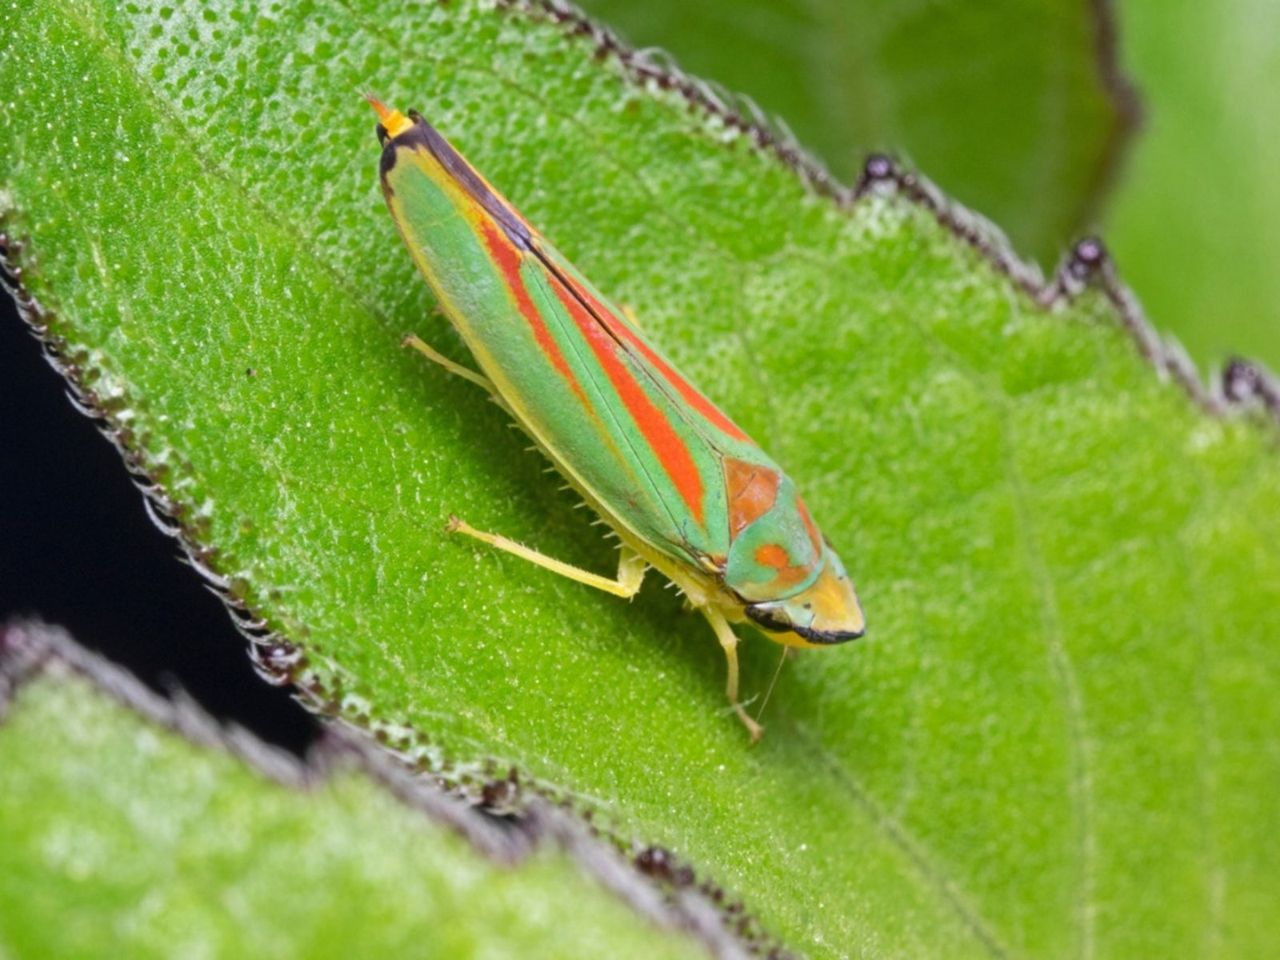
pixel 1196 225
pixel 1014 108
pixel 1053 740
pixel 122 837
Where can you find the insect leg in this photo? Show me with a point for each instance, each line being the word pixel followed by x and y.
pixel 631 566
pixel 729 643
pixel 428 351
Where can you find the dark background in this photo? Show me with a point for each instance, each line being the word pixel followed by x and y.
pixel 78 549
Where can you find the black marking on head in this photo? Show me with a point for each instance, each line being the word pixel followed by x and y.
pixel 767 619
pixel 423 134
pixel 771 621
pixel 828 638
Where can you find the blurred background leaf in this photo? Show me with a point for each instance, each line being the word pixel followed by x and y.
pixel 1195 225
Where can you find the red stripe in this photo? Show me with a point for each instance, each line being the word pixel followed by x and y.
pixel 814 536
pixel 508 260
pixel 686 389
pixel 658 432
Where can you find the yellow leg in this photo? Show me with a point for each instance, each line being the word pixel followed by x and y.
pixel 729 643
pixel 631 566
pixel 424 348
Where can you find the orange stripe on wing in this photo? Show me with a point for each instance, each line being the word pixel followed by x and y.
pixel 508 259
pixel 662 438
pixel 686 390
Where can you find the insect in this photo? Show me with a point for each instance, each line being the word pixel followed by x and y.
pixel 686 490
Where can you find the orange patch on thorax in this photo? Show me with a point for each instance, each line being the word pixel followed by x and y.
pixel 752 492
pixel 776 557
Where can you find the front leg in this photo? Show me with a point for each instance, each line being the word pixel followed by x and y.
pixel 729 644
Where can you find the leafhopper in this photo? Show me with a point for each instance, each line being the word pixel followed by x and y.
pixel 688 492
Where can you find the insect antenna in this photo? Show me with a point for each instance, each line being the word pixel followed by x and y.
pixel 768 693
